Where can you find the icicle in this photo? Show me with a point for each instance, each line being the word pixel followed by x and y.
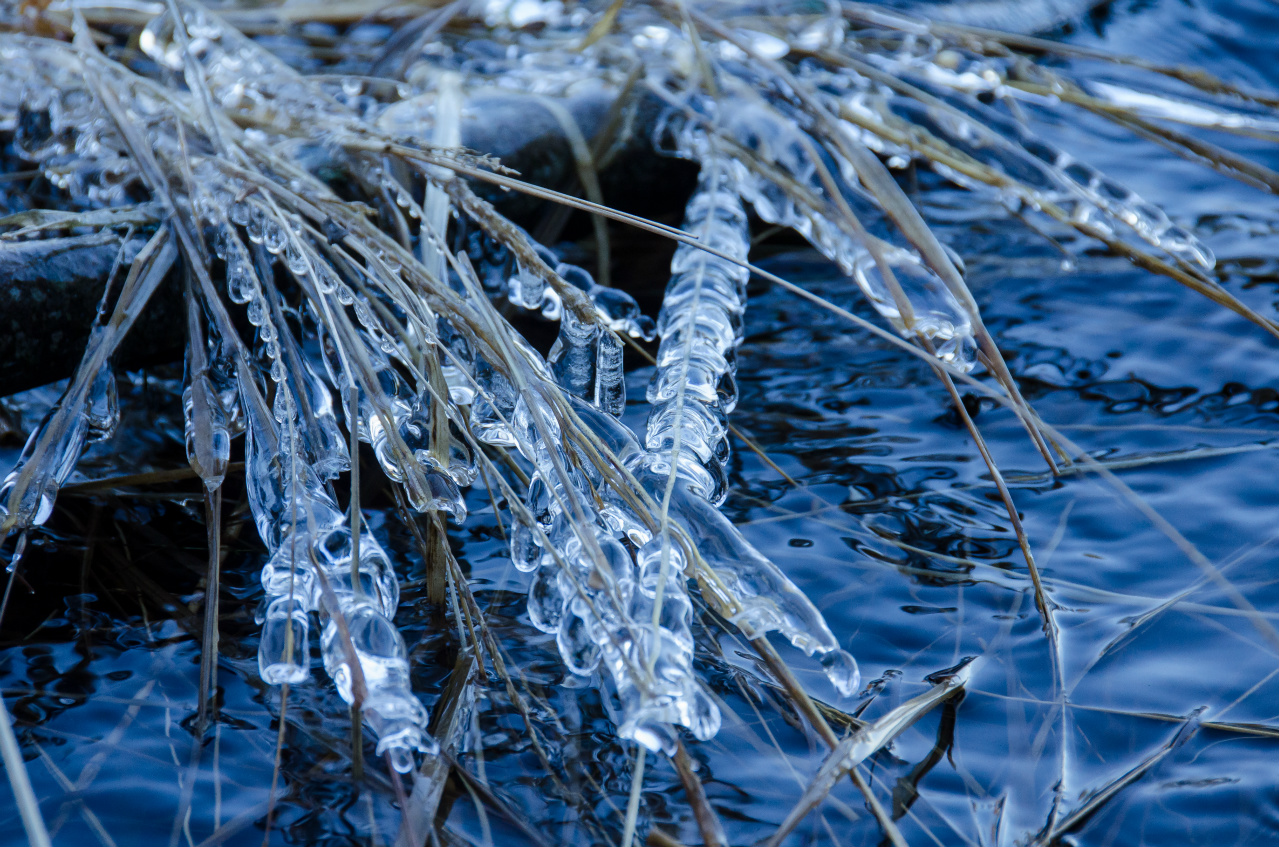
pixel 610 384
pixel 47 474
pixel 28 492
pixel 934 312
pixel 780 144
pixel 102 413
pixel 528 289
pixel 573 356
pixel 328 447
pixel 700 323
pixel 588 591
pixel 206 426
pixel 458 364
pixel 749 588
pixel 615 307
pixel 692 391
pixel 666 642
pixel 310 569
pixel 208 437
pixel 410 414
pixel 493 407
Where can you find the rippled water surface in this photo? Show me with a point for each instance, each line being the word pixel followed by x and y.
pixel 1154 721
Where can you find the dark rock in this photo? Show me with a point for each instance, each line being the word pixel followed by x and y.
pixel 49 294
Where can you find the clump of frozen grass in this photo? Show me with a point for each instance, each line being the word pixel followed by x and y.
pixel 355 328
pixel 373 319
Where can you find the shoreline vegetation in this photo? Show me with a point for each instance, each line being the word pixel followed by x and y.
pixel 343 218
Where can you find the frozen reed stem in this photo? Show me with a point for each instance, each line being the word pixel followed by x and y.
pixel 87 409
pixel 794 177
pixel 693 388
pixel 693 391
pixel 599 601
pixel 632 614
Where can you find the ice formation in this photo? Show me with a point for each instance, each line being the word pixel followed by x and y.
pixel 377 333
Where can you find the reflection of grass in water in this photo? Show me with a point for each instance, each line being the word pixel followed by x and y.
pixel 381 277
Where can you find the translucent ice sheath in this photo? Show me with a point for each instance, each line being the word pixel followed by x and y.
pixel 87 409
pixel 602 604
pixel 309 569
pixel 700 324
pixel 783 180
pixel 588 590
pixel 632 614
pixel 692 392
pixel 309 539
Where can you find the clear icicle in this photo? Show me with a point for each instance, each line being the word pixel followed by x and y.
pixel 588 591
pixel 610 384
pixel 785 152
pixel 615 307
pixel 403 408
pixel 102 414
pixel 87 406
pixel 32 506
pixel 328 447
pixel 574 356
pixel 310 569
pixel 493 407
pixel 208 436
pixel 751 590
pixel 458 364
pixel 692 388
pixel 700 324
pixel 206 423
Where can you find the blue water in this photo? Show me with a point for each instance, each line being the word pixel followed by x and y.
pixel 1167 679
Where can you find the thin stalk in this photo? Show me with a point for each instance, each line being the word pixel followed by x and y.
pixel 632 804
pixel 707 822
pixel 212 588
pixel 353 394
pixel 20 782
pixel 1042 603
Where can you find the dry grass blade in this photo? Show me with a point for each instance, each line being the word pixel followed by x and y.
pixel 659 838
pixel 90 817
pixel 141 480
pixel 818 722
pixel 1042 602
pixel 865 742
pixel 42 220
pixel 212 589
pixel 497 804
pixel 708 823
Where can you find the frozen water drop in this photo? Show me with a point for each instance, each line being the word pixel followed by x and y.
pixel 841 669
